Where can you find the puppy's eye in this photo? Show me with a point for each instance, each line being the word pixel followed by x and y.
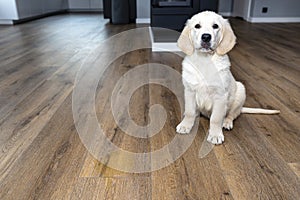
pixel 197 26
pixel 215 26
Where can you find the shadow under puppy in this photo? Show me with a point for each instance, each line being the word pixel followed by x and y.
pixel 209 86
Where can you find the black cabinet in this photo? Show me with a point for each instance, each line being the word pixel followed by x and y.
pixel 120 11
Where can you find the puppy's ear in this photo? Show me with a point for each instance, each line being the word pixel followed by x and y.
pixel 228 39
pixel 184 42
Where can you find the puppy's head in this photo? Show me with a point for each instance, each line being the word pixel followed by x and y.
pixel 207 32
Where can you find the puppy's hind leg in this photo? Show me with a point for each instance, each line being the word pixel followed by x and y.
pixel 188 121
pixel 236 107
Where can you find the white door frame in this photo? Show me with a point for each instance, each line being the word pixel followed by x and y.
pixel 246 9
pixel 247 17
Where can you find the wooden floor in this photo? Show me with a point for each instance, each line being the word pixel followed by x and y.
pixel 42 156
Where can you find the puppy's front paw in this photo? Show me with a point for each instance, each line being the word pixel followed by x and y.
pixel 215 137
pixel 184 127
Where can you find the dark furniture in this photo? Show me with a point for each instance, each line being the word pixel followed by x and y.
pixel 173 14
pixel 120 11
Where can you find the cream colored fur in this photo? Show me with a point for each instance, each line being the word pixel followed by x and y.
pixel 209 86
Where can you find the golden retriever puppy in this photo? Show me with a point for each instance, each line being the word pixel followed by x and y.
pixel 209 87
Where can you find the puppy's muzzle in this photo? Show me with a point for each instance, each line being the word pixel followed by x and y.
pixel 205 41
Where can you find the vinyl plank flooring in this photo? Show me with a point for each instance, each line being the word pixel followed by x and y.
pixel 114 189
pixel 260 94
pixel 139 101
pixel 24 124
pixel 42 155
pixel 253 158
pixel 40 158
pixel 296 168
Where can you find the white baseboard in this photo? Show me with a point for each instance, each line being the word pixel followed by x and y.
pixel 6 22
pixel 165 47
pixel 274 19
pixel 225 14
pixel 95 10
pixel 143 21
pixel 162 46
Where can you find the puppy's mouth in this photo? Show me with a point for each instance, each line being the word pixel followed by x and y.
pixel 205 47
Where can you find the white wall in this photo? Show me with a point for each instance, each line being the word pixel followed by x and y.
pixel 242 9
pixel 225 7
pixel 143 8
pixel 30 8
pixel 19 9
pixel 279 11
pixel 276 8
pixel 8 10
pixel 143 11
pixel 85 4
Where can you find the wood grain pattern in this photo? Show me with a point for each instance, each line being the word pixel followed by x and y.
pixel 42 156
pixel 296 168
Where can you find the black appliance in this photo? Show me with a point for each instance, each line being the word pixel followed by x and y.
pixel 173 14
pixel 120 11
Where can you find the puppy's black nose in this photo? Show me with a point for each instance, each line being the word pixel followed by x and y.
pixel 206 37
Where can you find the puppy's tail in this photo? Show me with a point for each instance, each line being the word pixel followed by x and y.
pixel 259 111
